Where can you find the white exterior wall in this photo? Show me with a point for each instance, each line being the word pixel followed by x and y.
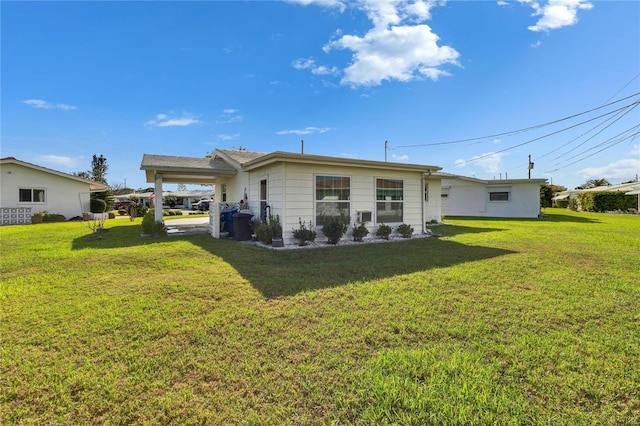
pixel 433 205
pixel 62 196
pixel 468 198
pixel 291 189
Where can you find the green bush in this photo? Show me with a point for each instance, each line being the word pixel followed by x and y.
pixel 334 227
pixel 150 226
pixel 112 215
pixel 383 231
pixel 360 231
pixel 563 204
pixel 122 212
pixel 53 217
pixel 406 231
pixel 97 205
pixel 266 232
pixel 573 204
pixel 304 234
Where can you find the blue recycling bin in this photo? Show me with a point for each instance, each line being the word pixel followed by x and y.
pixel 228 221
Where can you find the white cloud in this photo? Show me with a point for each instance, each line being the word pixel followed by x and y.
pixel 59 160
pixel 398 47
pixel 166 120
pixel 502 3
pixel 556 14
pixel 305 131
pixel 229 115
pixel 489 162
pixel 335 4
pixel 224 137
pixel 621 169
pixel 39 103
pixel 310 64
pixel 400 158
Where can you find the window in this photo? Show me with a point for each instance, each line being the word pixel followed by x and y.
pixel 499 195
pixel 31 195
pixel 389 200
pixel 426 192
pixel 444 192
pixel 263 200
pixel 333 195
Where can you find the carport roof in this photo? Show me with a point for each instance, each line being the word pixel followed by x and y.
pixel 176 169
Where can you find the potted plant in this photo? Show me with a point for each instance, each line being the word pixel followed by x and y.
pixel 276 229
pixel 304 234
pixel 37 217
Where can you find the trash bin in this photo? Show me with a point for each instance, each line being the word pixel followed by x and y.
pixel 242 226
pixel 228 221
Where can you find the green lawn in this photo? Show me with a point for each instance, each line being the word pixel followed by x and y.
pixel 497 322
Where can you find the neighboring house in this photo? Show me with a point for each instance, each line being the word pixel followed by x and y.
pixel 185 199
pixel 27 188
pixel 306 187
pixel 630 188
pixel 466 196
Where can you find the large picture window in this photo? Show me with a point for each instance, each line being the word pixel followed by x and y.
pixel 31 195
pixel 333 196
pixel 389 200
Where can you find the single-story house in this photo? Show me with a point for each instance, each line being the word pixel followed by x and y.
pixel 306 187
pixel 27 188
pixel 629 188
pixel 184 199
pixel 468 196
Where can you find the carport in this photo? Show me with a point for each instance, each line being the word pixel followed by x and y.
pixel 161 169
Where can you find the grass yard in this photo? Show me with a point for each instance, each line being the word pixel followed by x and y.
pixel 497 322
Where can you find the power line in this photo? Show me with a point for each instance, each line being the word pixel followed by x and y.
pixel 623 87
pixel 552 133
pixel 513 132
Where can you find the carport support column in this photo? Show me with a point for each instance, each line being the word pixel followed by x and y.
pixel 157 199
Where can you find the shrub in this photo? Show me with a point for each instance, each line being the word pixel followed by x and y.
pixel 359 232
pixel 266 232
pixel 112 215
pixel 406 231
pixel 97 205
pixel 573 204
pixel 53 217
pixel 563 204
pixel 383 231
pixel 334 227
pixel 122 212
pixel 304 234
pixel 150 226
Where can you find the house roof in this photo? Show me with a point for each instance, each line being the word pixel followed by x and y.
pixel 227 162
pixel 491 182
pixel 630 186
pixel 176 169
pixel 280 156
pixel 93 185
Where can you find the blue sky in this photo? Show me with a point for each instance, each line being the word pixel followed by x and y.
pixel 182 78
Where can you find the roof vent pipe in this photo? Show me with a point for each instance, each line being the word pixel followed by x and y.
pixel 302 146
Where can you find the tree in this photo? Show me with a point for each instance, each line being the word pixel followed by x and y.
pixel 83 175
pixel 182 187
pixel 547 192
pixel 594 183
pixel 99 168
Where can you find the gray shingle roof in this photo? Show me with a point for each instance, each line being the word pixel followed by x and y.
pixel 241 156
pixel 170 162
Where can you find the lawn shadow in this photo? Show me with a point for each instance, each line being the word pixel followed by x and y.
pixel 288 272
pixel 277 273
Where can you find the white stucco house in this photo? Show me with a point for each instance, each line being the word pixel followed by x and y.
pixel 27 188
pixel 508 198
pixel 302 186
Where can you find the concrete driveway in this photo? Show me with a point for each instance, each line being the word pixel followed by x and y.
pixel 187 226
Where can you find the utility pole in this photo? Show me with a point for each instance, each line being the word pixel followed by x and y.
pixel 386 147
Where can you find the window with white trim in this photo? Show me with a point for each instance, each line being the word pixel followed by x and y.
pixel 332 197
pixel 31 195
pixel 389 200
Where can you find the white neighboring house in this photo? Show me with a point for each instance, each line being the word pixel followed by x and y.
pixel 305 187
pixel 27 188
pixel 466 196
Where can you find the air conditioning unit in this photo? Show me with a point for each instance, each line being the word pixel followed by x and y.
pixel 364 216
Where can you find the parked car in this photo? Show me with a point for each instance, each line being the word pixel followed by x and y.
pixel 203 205
pixel 123 204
